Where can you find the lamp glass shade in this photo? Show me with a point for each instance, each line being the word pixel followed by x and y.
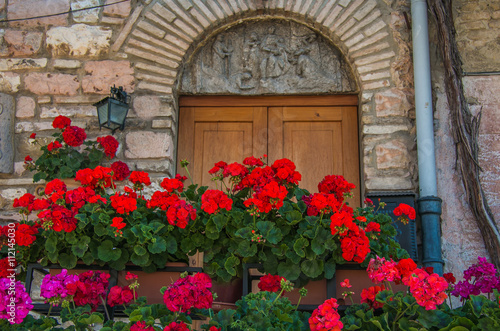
pixel 111 113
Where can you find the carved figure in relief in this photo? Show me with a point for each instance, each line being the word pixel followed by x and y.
pixel 306 67
pixel 222 50
pixel 275 58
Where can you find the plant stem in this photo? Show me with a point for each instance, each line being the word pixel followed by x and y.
pixel 189 175
pixel 399 315
pixel 50 309
pixel 281 292
pixel 105 308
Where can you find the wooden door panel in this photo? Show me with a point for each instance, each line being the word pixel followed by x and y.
pixel 321 139
pixel 214 142
pixel 316 150
pixel 211 134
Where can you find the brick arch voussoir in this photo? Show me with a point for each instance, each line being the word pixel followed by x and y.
pixel 162 35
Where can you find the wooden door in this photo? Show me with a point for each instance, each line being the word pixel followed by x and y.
pixel 319 134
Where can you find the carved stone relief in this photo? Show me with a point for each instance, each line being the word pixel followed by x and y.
pixel 267 57
pixel 7 114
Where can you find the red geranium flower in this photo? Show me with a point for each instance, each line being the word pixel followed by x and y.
pixel 120 170
pixel 270 283
pixel 61 122
pixel 53 145
pixel 74 136
pixel 212 201
pixel 368 296
pixel 404 212
pixel 33 135
pixel 326 317
pixel 177 326
pixel 118 223
pixel 110 145
pixel 141 326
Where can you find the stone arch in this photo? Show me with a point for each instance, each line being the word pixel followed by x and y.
pixel 161 36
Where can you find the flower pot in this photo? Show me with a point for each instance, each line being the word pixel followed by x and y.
pixel 227 294
pixel 151 283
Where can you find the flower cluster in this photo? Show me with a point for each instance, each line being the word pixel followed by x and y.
pixel 141 326
pixel 404 213
pixel 176 326
pixel 427 288
pixel 326 317
pixel 212 201
pixel 59 288
pixel 479 278
pixel 15 302
pixel 122 295
pixel 188 292
pixel 69 152
pixel 368 295
pixel 89 287
pixel 270 283
pixel 269 184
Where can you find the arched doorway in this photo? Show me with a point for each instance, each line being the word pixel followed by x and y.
pixel 270 68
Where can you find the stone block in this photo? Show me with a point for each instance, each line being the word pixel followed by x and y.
pixel 18 9
pixel 161 124
pixel 79 40
pixel 393 154
pixel 7 118
pixel 66 64
pixel 9 82
pixel 384 129
pixel 148 144
pixel 147 106
pixel 21 64
pixel 393 102
pixel 86 16
pixel 119 10
pixel 388 183
pixel 25 107
pixel 50 83
pixel 20 43
pixel 69 111
pixel 13 193
pixel 44 99
pixel 101 75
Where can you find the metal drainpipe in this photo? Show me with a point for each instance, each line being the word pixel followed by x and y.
pixel 429 204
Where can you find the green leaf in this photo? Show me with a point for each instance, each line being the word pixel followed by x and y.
pixel 100 230
pixel 211 230
pixel 312 268
pixel 81 247
pixel 299 246
pixel 246 249
pixel 107 252
pixel 294 217
pixel 71 238
pixel 139 250
pixel 140 260
pixel 230 265
pixel 67 261
pixel 51 244
pixel 434 319
pixel 289 270
pixel 274 236
pixel 330 268
pixel 88 258
pixel 220 221
pixel 159 245
pixel 171 244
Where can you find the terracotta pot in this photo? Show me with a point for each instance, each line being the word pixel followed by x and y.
pixel 227 294
pixel 359 280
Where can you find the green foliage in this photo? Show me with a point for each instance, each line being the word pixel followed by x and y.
pixel 262 311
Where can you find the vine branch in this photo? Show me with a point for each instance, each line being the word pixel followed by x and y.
pixel 465 128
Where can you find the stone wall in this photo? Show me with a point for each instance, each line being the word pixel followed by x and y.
pixel 60 65
pixel 477 26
